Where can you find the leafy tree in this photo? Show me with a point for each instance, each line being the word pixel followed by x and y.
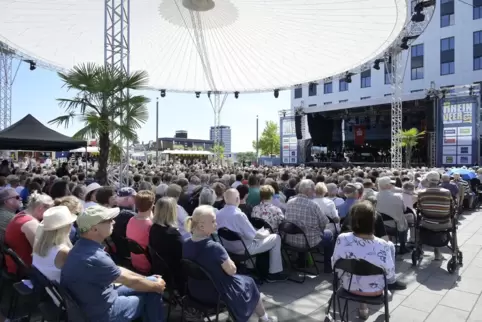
pixel 104 108
pixel 178 147
pixel 218 150
pixel 269 141
pixel 243 157
pixel 409 140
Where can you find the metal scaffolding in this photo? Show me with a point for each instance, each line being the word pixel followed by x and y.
pixel 117 53
pixel 395 67
pixel 217 100
pixel 6 83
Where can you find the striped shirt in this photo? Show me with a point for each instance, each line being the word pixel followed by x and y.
pixel 435 203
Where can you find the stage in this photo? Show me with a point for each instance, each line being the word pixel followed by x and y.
pixel 340 165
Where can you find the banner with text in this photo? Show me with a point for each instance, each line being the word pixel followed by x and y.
pixel 457 131
pixel 359 134
pixel 289 143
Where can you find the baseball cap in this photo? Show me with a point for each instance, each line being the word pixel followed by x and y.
pixel 126 192
pixel 95 215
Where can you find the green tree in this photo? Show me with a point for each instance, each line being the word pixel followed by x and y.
pixel 409 140
pixel 104 108
pixel 269 142
pixel 218 150
pixel 243 157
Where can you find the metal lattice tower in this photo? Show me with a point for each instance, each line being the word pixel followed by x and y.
pixel 217 104
pixel 6 83
pixel 117 50
pixel 393 61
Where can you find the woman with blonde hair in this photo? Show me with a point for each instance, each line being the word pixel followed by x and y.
pixel 238 292
pixel 76 207
pixel 166 240
pixel 52 244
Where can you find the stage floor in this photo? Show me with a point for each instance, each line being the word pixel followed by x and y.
pixel 339 165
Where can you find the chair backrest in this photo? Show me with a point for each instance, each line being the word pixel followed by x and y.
pixel 74 312
pixel 229 235
pixel 22 269
pixel 259 223
pixel 289 228
pixel 193 270
pixel 158 263
pixel 359 267
pixel 135 248
pixel 42 283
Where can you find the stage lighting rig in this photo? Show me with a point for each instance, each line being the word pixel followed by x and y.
pixel 276 93
pixel 405 40
pixel 376 64
pixel 418 15
pixel 198 94
pixel 236 95
pixel 33 65
pixel 209 94
pixel 163 93
pixel 348 76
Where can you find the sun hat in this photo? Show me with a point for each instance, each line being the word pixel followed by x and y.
pixel 57 217
pixel 92 187
pixel 95 215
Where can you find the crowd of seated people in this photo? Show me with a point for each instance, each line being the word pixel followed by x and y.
pixel 80 237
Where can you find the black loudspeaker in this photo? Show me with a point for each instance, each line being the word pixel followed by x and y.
pixel 321 129
pixel 299 134
pixel 429 118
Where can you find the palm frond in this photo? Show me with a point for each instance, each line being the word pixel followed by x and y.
pixel 64 120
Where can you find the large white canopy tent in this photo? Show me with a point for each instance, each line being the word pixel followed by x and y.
pixel 249 45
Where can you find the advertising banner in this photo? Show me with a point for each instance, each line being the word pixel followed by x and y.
pixel 288 141
pixel 457 131
pixel 359 134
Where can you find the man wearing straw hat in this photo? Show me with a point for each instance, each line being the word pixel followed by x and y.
pixel 90 274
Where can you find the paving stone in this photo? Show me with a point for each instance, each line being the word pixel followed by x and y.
pixel 445 313
pixel 459 300
pixel 422 301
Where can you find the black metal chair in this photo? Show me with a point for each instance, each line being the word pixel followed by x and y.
pixel 229 235
pixel 259 223
pixel 192 270
pixel 160 267
pixel 137 249
pixel 52 306
pixel 287 228
pixel 74 312
pixel 391 231
pixel 356 267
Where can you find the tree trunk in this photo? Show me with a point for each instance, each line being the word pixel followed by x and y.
pixel 104 147
pixel 408 161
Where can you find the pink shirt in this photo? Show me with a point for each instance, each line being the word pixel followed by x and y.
pixel 138 230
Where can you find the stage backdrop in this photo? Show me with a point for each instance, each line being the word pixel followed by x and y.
pixel 288 141
pixel 457 131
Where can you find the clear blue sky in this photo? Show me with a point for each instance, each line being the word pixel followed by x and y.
pixel 35 92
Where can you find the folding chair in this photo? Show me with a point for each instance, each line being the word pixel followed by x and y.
pixel 356 267
pixel 259 223
pixel 74 312
pixel 229 235
pixel 160 267
pixel 137 249
pixel 52 307
pixel 194 271
pixel 288 228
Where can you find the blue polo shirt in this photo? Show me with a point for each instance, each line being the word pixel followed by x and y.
pixel 89 273
pixel 344 208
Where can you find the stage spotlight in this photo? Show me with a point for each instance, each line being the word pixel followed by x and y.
pixel 418 16
pixel 284 114
pixel 236 95
pixel 348 78
pixel 376 64
pixel 471 90
pixel 276 93
pixel 163 93
pixel 209 94
pixel 404 45
pixel 198 94
pixel 33 65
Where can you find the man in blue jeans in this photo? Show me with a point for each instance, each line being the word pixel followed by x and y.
pixel 94 280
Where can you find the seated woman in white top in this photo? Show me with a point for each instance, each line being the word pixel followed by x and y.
pixel 52 243
pixel 362 244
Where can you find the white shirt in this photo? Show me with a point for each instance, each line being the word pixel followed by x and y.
pixel 46 265
pixel 181 218
pixel 328 208
pixel 376 251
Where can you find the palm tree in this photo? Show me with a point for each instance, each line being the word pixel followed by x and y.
pixel 104 106
pixel 409 141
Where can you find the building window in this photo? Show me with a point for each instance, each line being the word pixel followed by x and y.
pixel 312 89
pixel 298 92
pixel 326 103
pixel 477 9
pixel 447 56
pixel 343 85
pixel 343 101
pixel 417 62
pixel 478 50
pixel 366 78
pixel 328 88
pixel 365 98
pixel 447 20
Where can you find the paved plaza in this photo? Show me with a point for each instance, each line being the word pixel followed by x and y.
pixel 432 294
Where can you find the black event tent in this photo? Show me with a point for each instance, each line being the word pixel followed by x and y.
pixel 31 135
